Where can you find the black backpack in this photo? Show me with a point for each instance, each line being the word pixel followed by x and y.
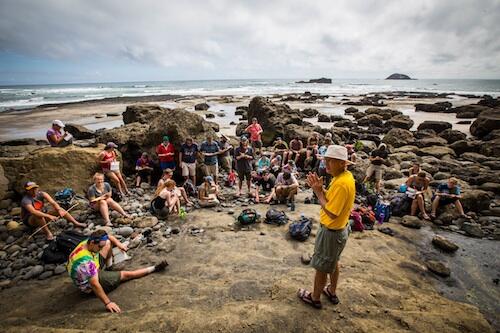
pixel 301 229
pixel 400 204
pixel 68 240
pixel 51 255
pixel 274 216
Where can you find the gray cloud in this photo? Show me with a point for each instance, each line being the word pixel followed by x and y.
pixel 286 38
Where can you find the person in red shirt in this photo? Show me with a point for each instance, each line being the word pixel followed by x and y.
pixel 255 131
pixel 166 154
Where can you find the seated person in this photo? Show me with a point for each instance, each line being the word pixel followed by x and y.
pixel 263 162
pixel 446 194
pixel 87 262
pixel 166 200
pixel 144 167
pixel 295 149
pixel 415 169
pixel 56 137
pixel 286 188
pixel 311 150
pixel 34 215
pixel 280 147
pixel 416 186
pixel 351 154
pixel 180 191
pixel 208 193
pixel 276 165
pixel 100 198
pixel 264 189
pixel 105 159
pixel 322 165
pixel 291 167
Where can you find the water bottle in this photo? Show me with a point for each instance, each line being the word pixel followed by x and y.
pixel 381 218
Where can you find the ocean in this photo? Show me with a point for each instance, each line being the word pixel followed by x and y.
pixel 29 96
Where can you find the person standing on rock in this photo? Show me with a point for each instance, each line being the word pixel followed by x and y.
pixel 336 205
pixel 187 157
pixel 56 138
pixel 166 154
pixel 86 268
pixel 144 167
pixel 111 168
pixel 446 194
pixel 33 212
pixel 210 150
pixel 99 195
pixel 377 159
pixel 243 155
pixel 255 131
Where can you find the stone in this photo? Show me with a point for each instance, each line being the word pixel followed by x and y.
pixel 306 258
pixel 411 222
pixel 142 113
pixel 444 244
pixel 79 132
pixel 34 272
pixel 4 183
pixel 400 121
pixel 45 275
pixel 16 211
pixel 490 187
pixel 351 110
pixel 469 111
pixel 13 248
pixel 398 137
pixel 145 222
pixel 323 118
pixel 201 107
pixel 59 269
pixel 485 123
pixel 475 200
pixel 437 126
pixel 451 135
pixel 437 107
pixel 371 120
pixel 113 114
pixel 309 113
pixel 13 225
pixel 436 151
pixel 431 141
pixel 472 229
pixel 438 268
pixel 125 231
pixel 210 115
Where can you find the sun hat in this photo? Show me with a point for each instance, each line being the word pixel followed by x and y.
pixel 337 152
pixel 111 145
pixel 58 123
pixel 30 185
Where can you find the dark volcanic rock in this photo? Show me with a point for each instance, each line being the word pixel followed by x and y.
pixel 371 120
pixel 309 112
pixel 437 126
pixel 438 268
pixel 398 137
pixel 323 118
pixel 400 121
pixel 486 122
pixel 19 142
pixel 452 136
pixel 469 111
pixel 351 110
pixel 79 132
pixel 489 101
pixel 320 80
pixel 142 113
pixel 444 244
pixel 201 107
pixel 397 76
pixel 436 107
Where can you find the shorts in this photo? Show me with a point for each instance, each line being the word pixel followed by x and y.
pixel 109 280
pixel 443 201
pixel 144 173
pixel 375 170
pixel 188 169
pixel 212 170
pixel 226 162
pixel 286 192
pixel 328 248
pixel 167 165
pixel 244 174
pixel 256 144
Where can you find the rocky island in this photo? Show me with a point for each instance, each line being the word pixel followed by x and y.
pixel 397 76
pixel 320 80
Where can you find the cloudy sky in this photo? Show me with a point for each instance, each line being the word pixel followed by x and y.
pixel 61 41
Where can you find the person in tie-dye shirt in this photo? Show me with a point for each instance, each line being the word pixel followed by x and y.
pixel 86 265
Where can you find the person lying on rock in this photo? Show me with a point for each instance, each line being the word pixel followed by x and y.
pixel 87 263
pixel 295 149
pixel 34 213
pixel 99 195
pixel 336 205
pixel 208 193
pixel 144 167
pixel 446 194
pixel 286 188
pixel 264 189
pixel 56 137
pixel 110 167
pixel 377 159
pixel 416 186
pixel 180 191
pixel 166 201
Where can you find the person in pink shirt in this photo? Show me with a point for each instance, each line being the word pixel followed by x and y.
pixel 255 131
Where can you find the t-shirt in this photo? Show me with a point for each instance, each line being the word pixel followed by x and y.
pixel 263 163
pixel 93 192
pixel 161 149
pixel 267 185
pixel 380 153
pixel 82 266
pixel 254 130
pixel 280 180
pixel 444 188
pixel 210 148
pixel 37 202
pixel 225 145
pixel 281 146
pixel 243 164
pixel 322 152
pixel 189 153
pixel 52 132
pixel 143 162
pixel 296 145
pixel 339 201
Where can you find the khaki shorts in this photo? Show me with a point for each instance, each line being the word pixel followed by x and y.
pixel 212 170
pixel 328 248
pixel 285 192
pixel 226 162
pixel 375 170
pixel 109 280
pixel 188 169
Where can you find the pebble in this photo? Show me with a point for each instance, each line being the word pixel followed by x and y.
pixel 230 212
pixel 444 244
pixel 124 231
pixel 305 258
pixel 34 272
pixel 45 275
pixel 14 248
pixel 59 270
pixel 438 268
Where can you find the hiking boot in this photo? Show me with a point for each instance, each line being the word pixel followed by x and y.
pixel 161 266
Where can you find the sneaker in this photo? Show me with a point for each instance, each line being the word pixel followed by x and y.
pixel 161 266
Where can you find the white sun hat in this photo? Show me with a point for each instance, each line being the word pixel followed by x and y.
pixel 338 152
pixel 58 123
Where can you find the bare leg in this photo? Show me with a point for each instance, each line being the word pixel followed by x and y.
pixel 319 284
pixel 249 186
pixel 122 182
pixel 459 206
pixel 421 206
pixel 103 208
pixel 414 205
pixel 71 219
pixel 114 179
pixel 334 278
pixel 435 205
pixel 39 222
pixel 137 181
pixel 114 205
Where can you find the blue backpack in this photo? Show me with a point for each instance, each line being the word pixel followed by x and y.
pixel 301 230
pixel 383 211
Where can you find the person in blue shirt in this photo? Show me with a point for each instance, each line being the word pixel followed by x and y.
pixel 210 150
pixel 446 194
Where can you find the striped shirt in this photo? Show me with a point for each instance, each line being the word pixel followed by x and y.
pixel 82 265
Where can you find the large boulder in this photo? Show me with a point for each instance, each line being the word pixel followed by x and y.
pixel 436 107
pixel 53 168
pixel 4 183
pixel 398 137
pixel 309 113
pixel 371 120
pixel 489 101
pixel 400 121
pixel 437 126
pixel 469 111
pixel 475 200
pixel 386 114
pixel 451 135
pixel 274 118
pixel 431 141
pixel 486 122
pixel 201 107
pixel 436 151
pixel 463 146
pixel 142 113
pixel 79 132
pixel 323 118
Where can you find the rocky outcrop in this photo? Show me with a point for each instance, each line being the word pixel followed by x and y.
pixel 371 120
pixel 489 101
pixel 486 122
pixel 351 110
pixel 398 76
pixel 142 113
pixel 386 114
pixel 475 200
pixel 398 137
pixel 323 118
pixel 53 168
pixel 79 132
pixel 437 126
pixel 436 107
pixel 452 136
pixel 201 107
pixel 436 151
pixel 309 113
pixel 469 111
pixel 320 80
pixel 400 121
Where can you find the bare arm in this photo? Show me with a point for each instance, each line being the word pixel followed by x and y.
pixel 99 292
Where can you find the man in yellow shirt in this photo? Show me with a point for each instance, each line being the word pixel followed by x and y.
pixel 336 205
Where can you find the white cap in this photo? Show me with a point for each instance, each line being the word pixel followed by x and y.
pixel 58 123
pixel 337 152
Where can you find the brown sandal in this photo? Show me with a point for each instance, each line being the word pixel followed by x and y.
pixel 306 297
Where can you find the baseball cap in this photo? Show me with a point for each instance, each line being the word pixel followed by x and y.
pixel 58 123
pixel 243 138
pixel 111 145
pixel 337 152
pixel 209 179
pixel 30 185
